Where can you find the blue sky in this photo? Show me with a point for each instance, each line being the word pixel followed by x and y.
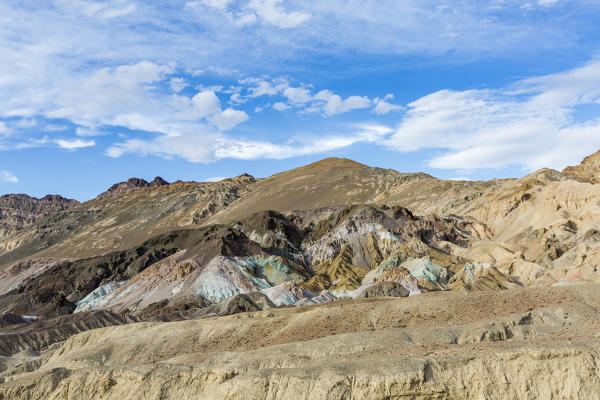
pixel 94 92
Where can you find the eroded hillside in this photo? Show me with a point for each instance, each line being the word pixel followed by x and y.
pixel 526 344
pixel 329 236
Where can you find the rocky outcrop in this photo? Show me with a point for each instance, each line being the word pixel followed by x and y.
pixel 132 184
pixel 589 169
pixel 18 211
pixel 49 287
pixel 384 289
pixel 481 276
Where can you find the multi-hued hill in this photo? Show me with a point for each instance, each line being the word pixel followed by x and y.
pixel 334 280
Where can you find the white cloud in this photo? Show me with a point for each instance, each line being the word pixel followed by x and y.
pixel 530 124
pixel 215 179
pixel 104 94
pixel 81 63
pixel 272 13
pixel 547 3
pixel 84 132
pixel 373 132
pixel 245 20
pixel 298 95
pixel 4 129
pixel 248 150
pixel 382 107
pixel 102 10
pixel 205 104
pixel 324 102
pixel 335 105
pixel 196 39
pixel 269 12
pixel 129 96
pixel 218 4
pixel 74 144
pixel 223 71
pixel 281 106
pixel 178 84
pixel 228 119
pixel 198 147
pixel 209 146
pixel 258 87
pixel 8 177
pixel 31 143
pixel 212 88
pixel 236 99
pixel 56 128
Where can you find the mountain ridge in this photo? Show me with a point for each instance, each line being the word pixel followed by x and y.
pixel 324 238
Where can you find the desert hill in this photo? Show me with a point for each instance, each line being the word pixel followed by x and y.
pixel 299 256
pixel 522 344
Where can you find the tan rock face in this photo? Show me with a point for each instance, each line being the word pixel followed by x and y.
pixel 589 169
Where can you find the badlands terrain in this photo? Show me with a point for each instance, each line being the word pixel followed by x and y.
pixel 335 280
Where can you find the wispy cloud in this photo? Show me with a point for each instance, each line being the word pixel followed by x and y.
pixel 269 12
pixel 215 179
pixel 3 128
pixel 530 123
pixel 74 144
pixel 8 177
pixel 178 84
pixel 104 10
pixel 147 81
pixel 211 146
pixel 382 106
pixel 302 98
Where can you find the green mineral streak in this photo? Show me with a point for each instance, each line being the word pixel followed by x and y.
pixel 423 268
pixel 391 262
pixel 268 271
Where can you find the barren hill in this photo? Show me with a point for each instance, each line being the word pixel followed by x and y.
pixel 304 252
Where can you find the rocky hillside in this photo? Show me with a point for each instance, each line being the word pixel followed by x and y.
pixel 323 239
pixel 589 169
pixel 113 222
pixel 131 185
pixel 17 211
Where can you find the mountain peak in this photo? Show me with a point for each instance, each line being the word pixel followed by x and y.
pixel 335 162
pixel 326 164
pixel 158 181
pixel 131 185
